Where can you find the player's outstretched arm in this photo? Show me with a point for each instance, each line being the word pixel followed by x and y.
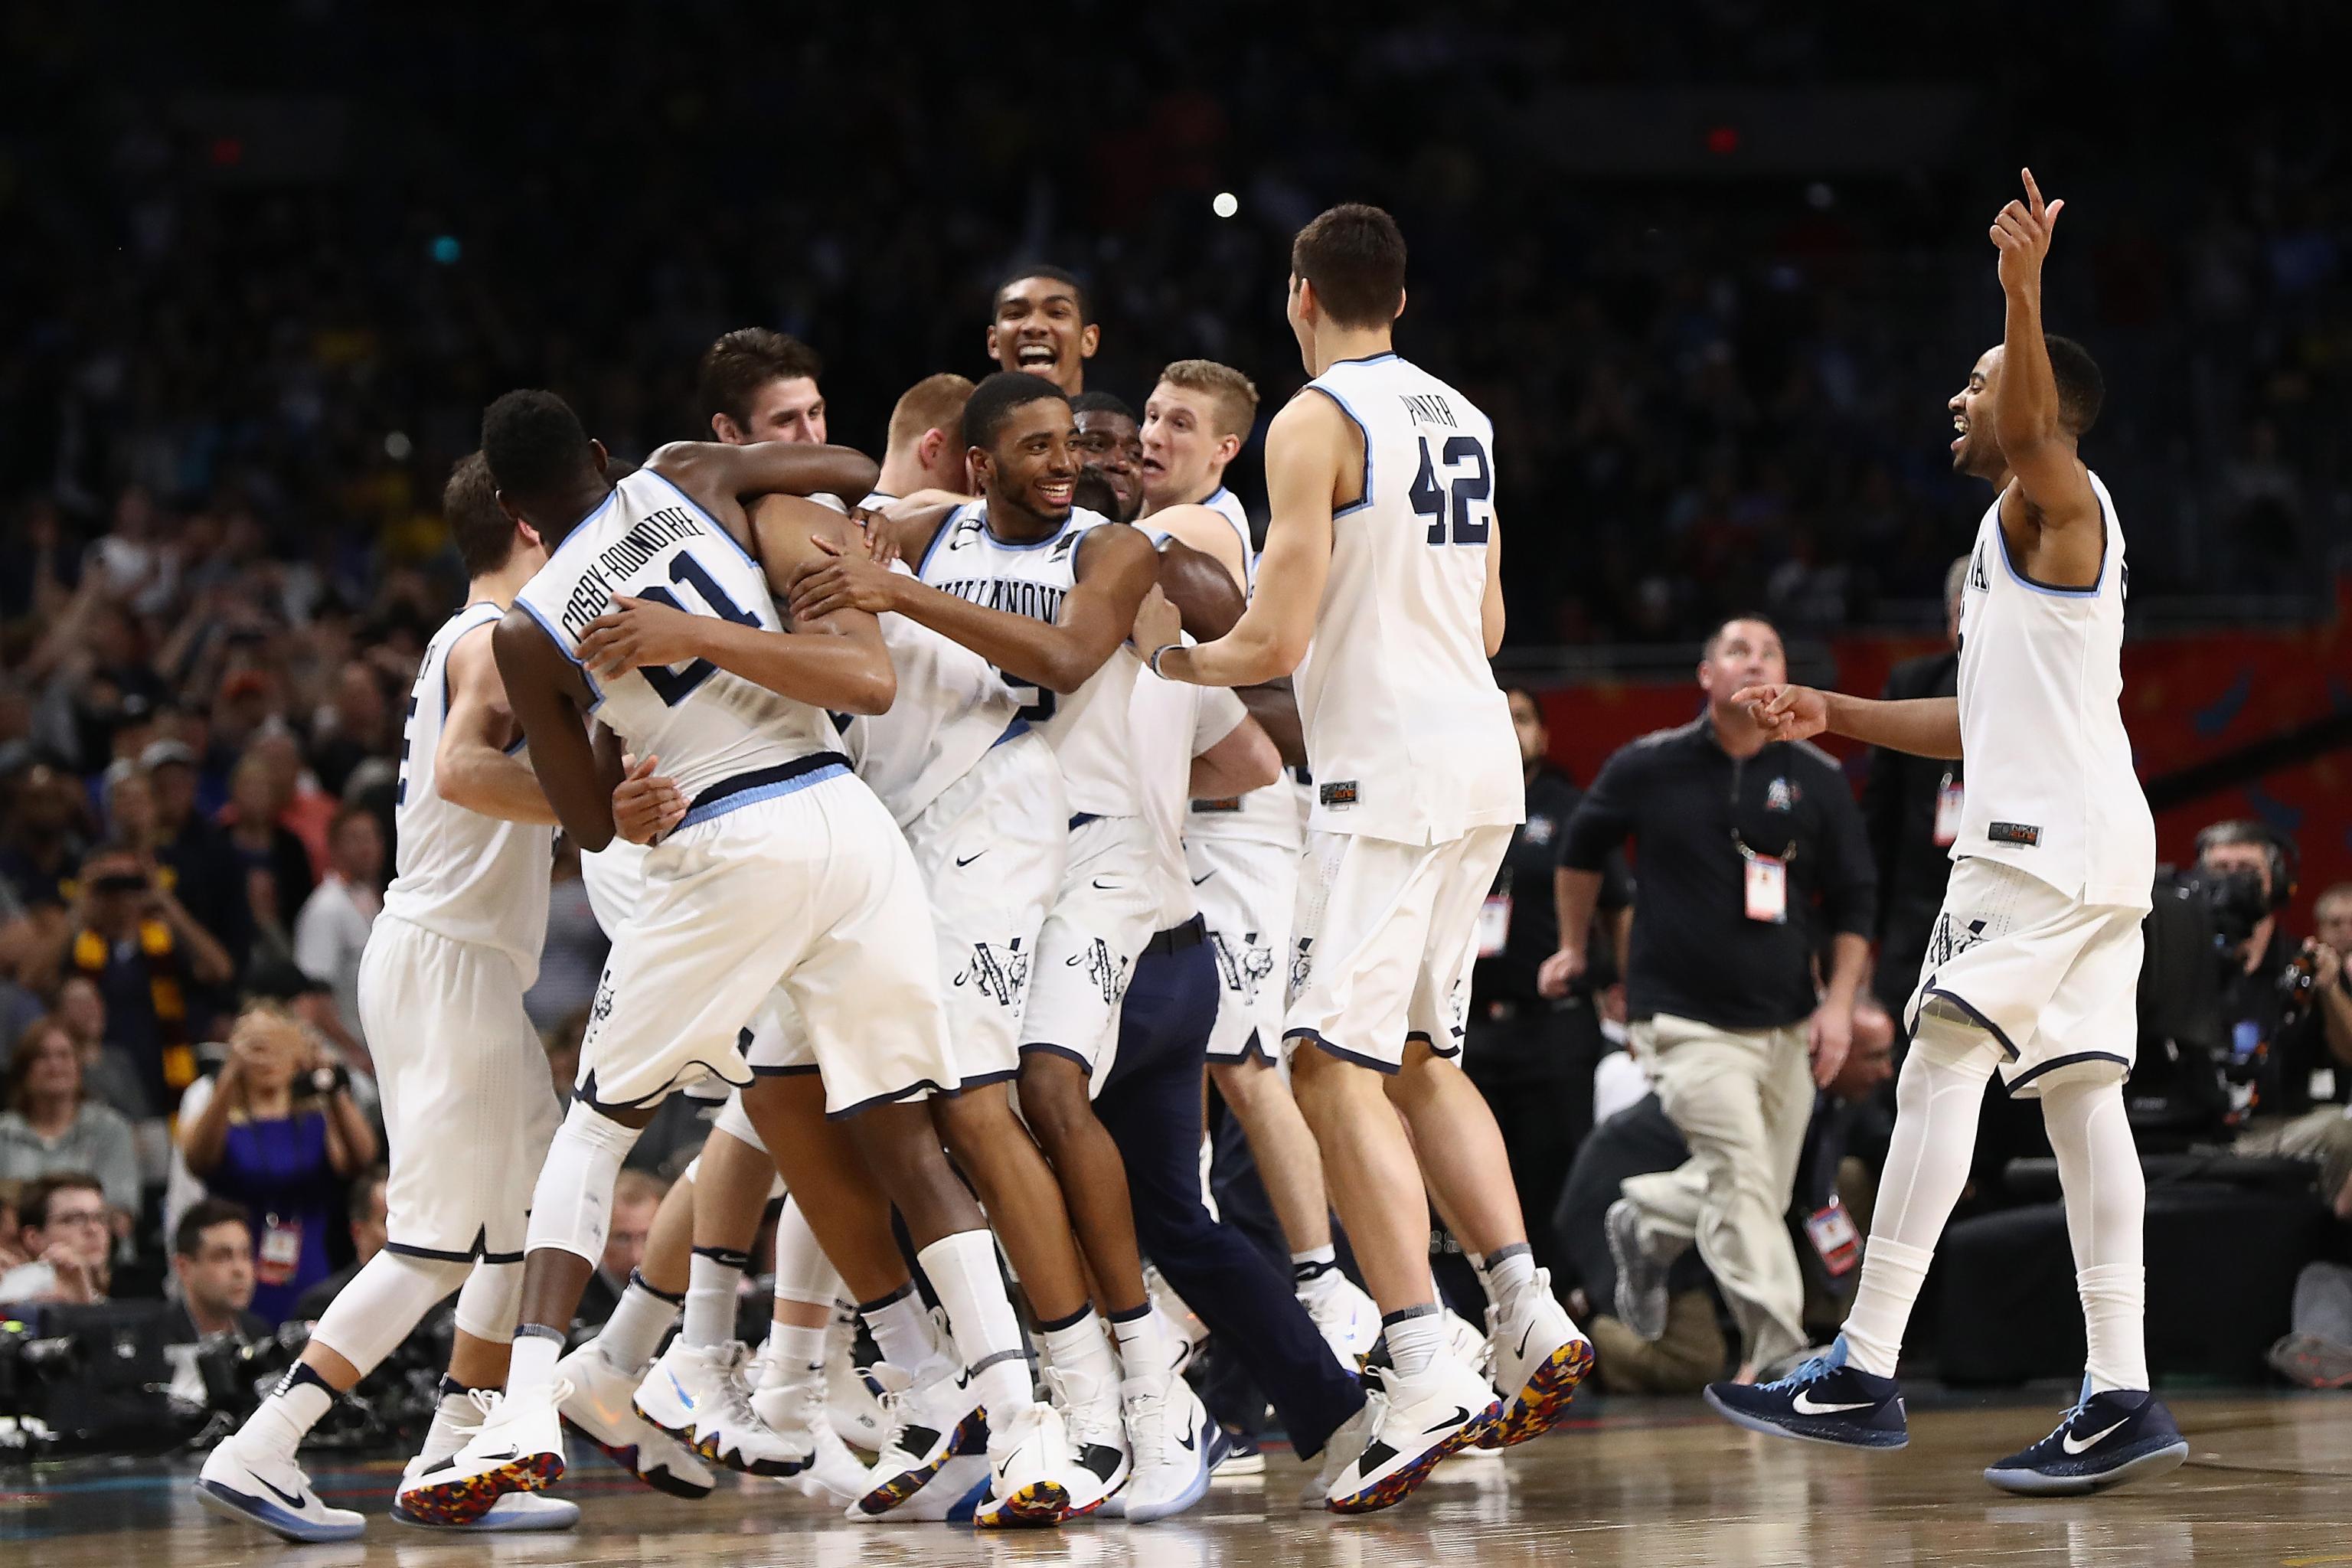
pixel 1208 597
pixel 1115 564
pixel 551 700
pixel 2026 415
pixel 715 472
pixel 1303 451
pixel 1923 726
pixel 470 766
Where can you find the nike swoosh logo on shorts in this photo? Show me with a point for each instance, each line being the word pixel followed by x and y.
pixel 2072 1447
pixel 1103 887
pixel 1202 878
pixel 968 859
pixel 1805 1404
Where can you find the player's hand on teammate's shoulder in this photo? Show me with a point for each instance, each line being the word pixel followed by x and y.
pixel 849 581
pixel 1157 623
pixel 635 633
pixel 645 805
pixel 1786 712
pixel 2022 232
pixel 881 540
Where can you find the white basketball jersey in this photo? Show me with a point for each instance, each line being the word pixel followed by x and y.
pixel 1089 728
pixel 951 707
pixel 460 874
pixel 1227 505
pixel 651 541
pixel 1408 736
pixel 1174 723
pixel 2052 790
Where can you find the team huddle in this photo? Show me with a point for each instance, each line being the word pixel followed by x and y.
pixel 950 815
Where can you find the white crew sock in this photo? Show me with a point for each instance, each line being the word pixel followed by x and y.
pixel 2106 1200
pixel 902 1328
pixel 1081 1352
pixel 962 1268
pixel 1507 1271
pixel 634 1332
pixel 795 1355
pixel 1416 1338
pixel 286 1418
pixel 1936 1102
pixel 1145 1353
pixel 713 1276
pixel 532 1371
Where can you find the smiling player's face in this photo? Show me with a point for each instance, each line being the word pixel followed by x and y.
pixel 1034 462
pixel 1038 330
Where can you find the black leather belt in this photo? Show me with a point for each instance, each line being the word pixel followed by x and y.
pixel 1176 939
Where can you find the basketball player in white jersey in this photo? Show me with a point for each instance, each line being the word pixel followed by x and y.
pixel 784 870
pixel 1039 325
pixel 2033 970
pixel 467 1102
pixel 1047 593
pixel 1382 555
pixel 1243 851
pixel 979 797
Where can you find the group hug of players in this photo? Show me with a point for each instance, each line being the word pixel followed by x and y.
pixel 952 823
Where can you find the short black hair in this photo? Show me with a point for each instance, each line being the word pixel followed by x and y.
pixel 1102 403
pixel 33 1201
pixel 534 444
pixel 1059 275
pixel 1759 616
pixel 484 534
pixel 1354 255
pixel 996 398
pixel 188 1235
pixel 739 364
pixel 2082 390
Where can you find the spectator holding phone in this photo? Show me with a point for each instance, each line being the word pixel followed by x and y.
pixel 280 1134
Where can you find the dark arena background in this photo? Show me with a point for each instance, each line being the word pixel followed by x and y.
pixel 1713 268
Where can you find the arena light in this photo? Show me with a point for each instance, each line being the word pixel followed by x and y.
pixel 1225 203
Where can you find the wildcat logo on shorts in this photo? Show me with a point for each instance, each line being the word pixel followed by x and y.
pixel 1950 940
pixel 1302 964
pixel 1109 974
pixel 601 1008
pixel 1001 974
pixel 1242 966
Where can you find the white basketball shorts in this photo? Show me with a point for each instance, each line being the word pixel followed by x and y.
pixel 1380 941
pixel 810 885
pixel 468 1107
pixel 1106 909
pixel 2054 982
pixel 1245 890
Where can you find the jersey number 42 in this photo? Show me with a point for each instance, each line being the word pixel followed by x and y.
pixel 1456 494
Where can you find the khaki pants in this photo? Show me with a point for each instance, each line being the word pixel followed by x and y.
pixel 1741 1099
pixel 2322 1135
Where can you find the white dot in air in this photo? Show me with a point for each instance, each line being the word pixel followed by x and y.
pixel 1226 204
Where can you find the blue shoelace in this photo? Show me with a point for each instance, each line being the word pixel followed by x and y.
pixel 1812 1371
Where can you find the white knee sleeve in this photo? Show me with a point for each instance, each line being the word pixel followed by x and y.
pixel 384 1304
pixel 803 1274
pixel 570 1209
pixel 490 1301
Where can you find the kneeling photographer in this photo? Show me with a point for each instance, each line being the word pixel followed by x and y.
pixel 2251 1026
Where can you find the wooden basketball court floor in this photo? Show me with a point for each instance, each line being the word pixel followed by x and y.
pixel 1646 1483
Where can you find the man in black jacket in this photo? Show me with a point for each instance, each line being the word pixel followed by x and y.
pixel 1752 859
pixel 1911 810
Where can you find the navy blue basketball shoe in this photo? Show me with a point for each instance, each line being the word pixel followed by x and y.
pixel 1823 1401
pixel 2106 1440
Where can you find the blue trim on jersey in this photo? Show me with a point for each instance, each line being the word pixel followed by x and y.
pixel 580 529
pixel 736 800
pixel 2051 589
pixel 520 743
pixel 594 691
pixel 706 517
pixel 991 534
pixel 939 533
pixel 1362 429
pixel 1013 731
pixel 1367 359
